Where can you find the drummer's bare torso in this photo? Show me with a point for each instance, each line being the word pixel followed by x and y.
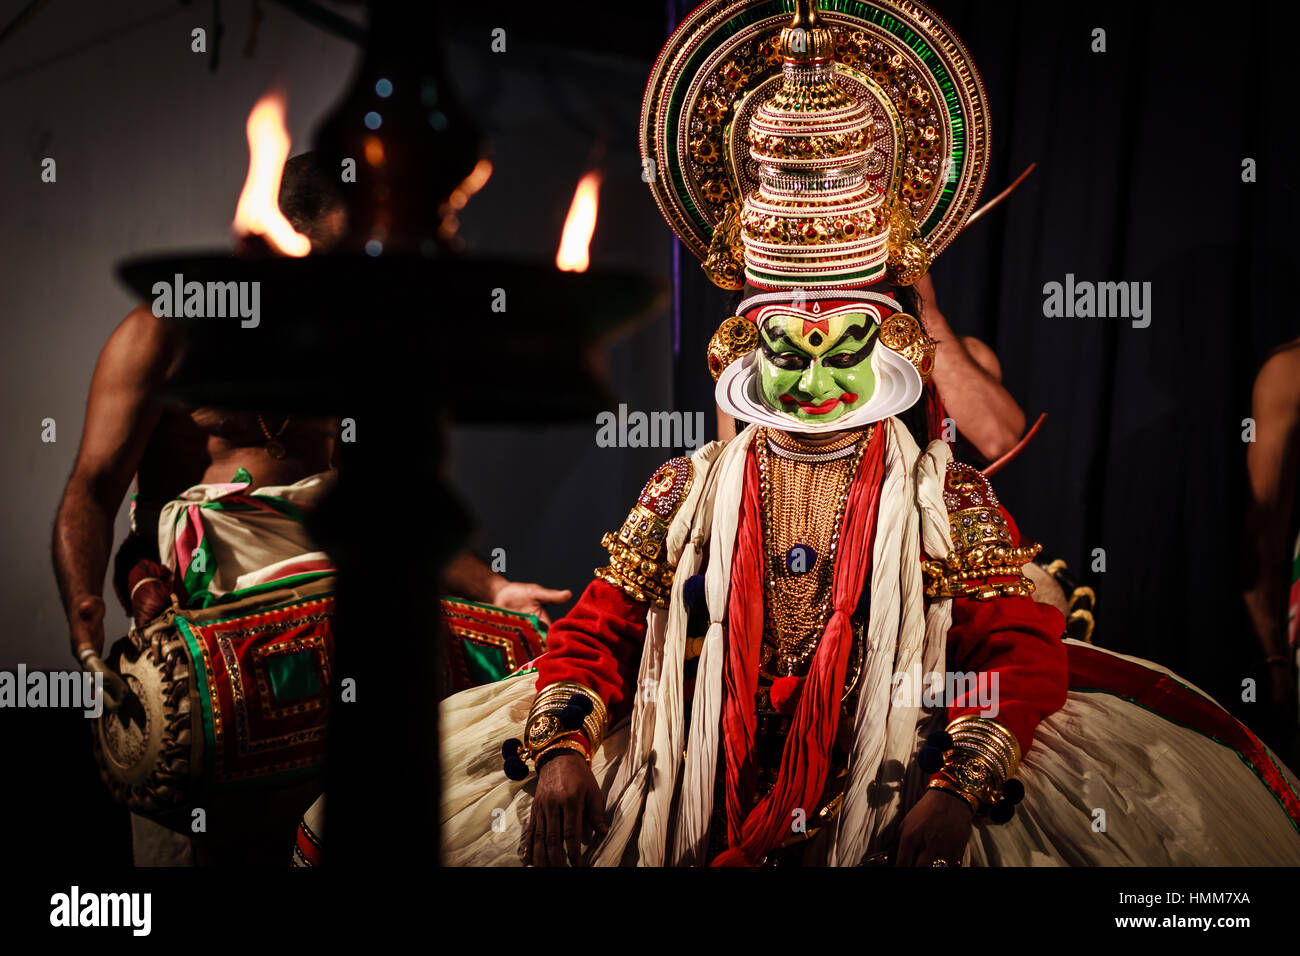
pixel 208 445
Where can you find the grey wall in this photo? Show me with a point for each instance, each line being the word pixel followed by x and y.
pixel 546 496
pixel 151 156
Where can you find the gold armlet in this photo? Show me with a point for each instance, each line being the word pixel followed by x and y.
pixel 982 564
pixel 631 567
pixel 982 573
pixel 638 558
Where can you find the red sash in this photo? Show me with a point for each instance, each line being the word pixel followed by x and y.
pixel 805 760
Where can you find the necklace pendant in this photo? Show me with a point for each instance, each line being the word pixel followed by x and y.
pixel 800 559
pixel 275 449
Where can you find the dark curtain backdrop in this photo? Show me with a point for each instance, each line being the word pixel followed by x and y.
pixel 1139 179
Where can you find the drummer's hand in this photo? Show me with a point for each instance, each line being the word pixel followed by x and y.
pixel 528 598
pixel 86 624
pixel 566 812
pixel 937 828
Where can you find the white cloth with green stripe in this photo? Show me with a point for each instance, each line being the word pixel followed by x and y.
pixel 225 538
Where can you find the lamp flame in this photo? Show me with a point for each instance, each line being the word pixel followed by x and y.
pixel 471 184
pixel 258 210
pixel 575 242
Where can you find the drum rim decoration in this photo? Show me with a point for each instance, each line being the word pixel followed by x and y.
pixel 186 765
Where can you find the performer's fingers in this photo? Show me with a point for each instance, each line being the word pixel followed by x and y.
pixel 555 834
pixel 549 596
pixel 573 832
pixel 595 815
pixel 528 837
pixel 537 845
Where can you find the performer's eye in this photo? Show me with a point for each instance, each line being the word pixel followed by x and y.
pixel 788 360
pixel 844 359
pixel 785 360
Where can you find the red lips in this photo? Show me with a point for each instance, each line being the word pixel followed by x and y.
pixel 813 408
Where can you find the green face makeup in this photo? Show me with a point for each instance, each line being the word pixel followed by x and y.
pixel 816 369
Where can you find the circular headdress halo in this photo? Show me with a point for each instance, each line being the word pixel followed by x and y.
pixel 927 136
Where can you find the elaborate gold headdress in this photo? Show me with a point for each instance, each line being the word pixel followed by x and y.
pixel 832 150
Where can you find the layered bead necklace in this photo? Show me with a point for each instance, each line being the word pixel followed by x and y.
pixel 803 490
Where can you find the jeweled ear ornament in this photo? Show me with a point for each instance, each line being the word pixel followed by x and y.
pixel 724 263
pixel 736 337
pixel 907 260
pixel 902 333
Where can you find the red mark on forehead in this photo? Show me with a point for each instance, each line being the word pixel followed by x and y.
pixel 821 325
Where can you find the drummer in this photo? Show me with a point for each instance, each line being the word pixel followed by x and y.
pixel 130 432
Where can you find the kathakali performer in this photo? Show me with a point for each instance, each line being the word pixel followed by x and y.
pixel 814 643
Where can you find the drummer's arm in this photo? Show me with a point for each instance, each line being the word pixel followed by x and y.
pixel 1271 463
pixel 121 414
pixel 969 379
pixel 469 576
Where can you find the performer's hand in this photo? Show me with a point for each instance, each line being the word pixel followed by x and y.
pixel 937 828
pixel 86 625
pixel 567 811
pixel 528 598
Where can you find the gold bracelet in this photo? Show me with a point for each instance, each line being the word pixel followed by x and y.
pixel 978 749
pixel 973 775
pixel 572 743
pixel 543 724
pixel 946 785
pixel 982 758
pixel 997 757
pixel 975 728
pixel 555 697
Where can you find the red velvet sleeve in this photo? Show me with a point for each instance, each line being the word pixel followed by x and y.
pixel 1008 641
pixel 1019 641
pixel 598 645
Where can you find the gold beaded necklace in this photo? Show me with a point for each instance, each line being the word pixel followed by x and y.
pixel 797 511
pixel 273 446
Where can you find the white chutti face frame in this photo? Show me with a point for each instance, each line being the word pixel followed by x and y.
pixel 898 384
